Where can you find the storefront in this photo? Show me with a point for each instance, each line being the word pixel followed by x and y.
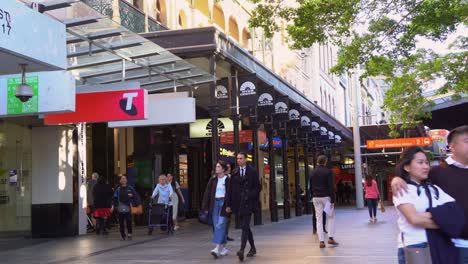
pixel 44 59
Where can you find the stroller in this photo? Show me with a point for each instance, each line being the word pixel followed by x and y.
pixel 160 215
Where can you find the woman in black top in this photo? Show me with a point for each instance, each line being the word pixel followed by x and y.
pixel 102 194
pixel 123 198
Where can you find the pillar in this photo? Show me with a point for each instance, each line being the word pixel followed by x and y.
pixel 271 163
pixel 286 205
pixel 298 207
pixel 308 209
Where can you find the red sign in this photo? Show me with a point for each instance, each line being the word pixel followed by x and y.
pixel 399 142
pixel 104 107
pixel 245 136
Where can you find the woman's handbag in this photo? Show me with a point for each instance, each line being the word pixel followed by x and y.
pixel 382 206
pixel 123 208
pixel 204 217
pixel 416 255
pixel 137 210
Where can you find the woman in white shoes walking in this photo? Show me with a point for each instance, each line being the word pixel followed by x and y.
pixel 214 204
pixel 372 197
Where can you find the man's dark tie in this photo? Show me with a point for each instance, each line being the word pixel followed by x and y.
pixel 242 172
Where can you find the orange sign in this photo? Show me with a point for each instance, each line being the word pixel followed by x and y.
pixel 245 136
pixel 399 142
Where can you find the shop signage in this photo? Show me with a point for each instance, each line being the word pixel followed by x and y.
pixel 245 136
pixel 300 151
pixel 294 116
pixel 203 127
pixel 222 92
pixel 43 41
pixel 439 140
pixel 5 22
pixel 165 109
pixel 265 102
pixel 347 166
pixel 53 92
pixel 399 142
pixel 276 143
pixel 281 108
pixel 247 90
pixel 104 107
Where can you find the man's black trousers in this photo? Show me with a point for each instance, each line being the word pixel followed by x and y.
pixel 246 232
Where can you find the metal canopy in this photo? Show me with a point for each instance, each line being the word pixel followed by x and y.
pixel 102 51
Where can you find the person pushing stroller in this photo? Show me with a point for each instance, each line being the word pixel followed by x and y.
pixel 163 192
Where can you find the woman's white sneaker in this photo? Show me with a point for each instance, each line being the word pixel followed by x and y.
pixel 224 252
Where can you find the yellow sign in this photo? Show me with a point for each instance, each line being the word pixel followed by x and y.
pixel 290 151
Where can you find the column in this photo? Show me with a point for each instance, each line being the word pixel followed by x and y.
pixel 298 208
pixel 254 125
pixel 214 113
pixel 286 205
pixel 271 163
pixel 307 179
pixel 234 107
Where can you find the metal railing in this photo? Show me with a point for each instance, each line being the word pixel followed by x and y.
pixel 102 6
pixel 130 16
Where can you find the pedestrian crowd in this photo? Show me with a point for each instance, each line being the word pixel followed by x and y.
pixel 431 203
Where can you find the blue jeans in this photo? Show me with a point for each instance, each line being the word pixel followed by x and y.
pixel 401 253
pixel 219 223
pixel 372 206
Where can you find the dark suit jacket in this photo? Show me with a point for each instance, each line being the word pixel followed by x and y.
pixel 244 193
pixel 450 218
pixel 210 193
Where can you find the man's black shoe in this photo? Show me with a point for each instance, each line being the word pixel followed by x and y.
pixel 315 231
pixel 252 252
pixel 240 254
pixel 230 239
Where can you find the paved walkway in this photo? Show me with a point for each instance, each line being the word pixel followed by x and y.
pixel 289 241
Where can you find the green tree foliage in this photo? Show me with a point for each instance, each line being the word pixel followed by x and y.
pixel 381 35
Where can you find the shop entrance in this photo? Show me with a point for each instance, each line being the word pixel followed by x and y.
pixel 15 176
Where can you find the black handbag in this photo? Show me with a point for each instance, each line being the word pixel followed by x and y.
pixel 204 218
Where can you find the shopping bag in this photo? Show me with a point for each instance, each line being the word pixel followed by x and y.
pixel 137 210
pixel 382 206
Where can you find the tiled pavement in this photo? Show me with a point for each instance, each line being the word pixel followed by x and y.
pixel 289 241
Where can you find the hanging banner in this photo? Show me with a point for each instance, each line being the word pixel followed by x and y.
pixel 247 91
pixel 323 130
pixel 294 116
pixel 265 102
pixel 105 107
pixel 281 108
pixel 222 92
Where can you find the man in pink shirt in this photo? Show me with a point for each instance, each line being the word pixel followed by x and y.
pixel 372 197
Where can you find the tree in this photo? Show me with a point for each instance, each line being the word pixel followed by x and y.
pixel 382 35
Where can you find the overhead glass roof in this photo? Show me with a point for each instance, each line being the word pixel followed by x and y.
pixel 100 51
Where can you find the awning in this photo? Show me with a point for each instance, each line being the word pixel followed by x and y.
pixel 100 51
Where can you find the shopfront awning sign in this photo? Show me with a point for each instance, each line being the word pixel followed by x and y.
pixel 165 109
pixel 53 92
pixel 131 104
pixel 399 142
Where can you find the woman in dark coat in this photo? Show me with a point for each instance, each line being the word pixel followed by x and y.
pixel 102 193
pixel 214 203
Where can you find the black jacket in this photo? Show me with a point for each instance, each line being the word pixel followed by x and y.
pixel 322 183
pixel 210 194
pixel 102 194
pixel 244 193
pixel 450 218
pixel 122 195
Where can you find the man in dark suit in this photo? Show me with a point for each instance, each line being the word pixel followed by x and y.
pixel 242 200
